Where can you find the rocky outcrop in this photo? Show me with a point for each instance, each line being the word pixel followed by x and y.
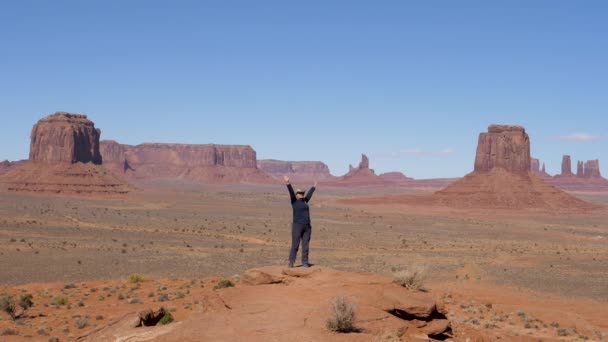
pixel 503 146
pixel 64 158
pixel 502 178
pixel 579 169
pixel 64 138
pixel 592 169
pixel 299 171
pixel 208 163
pixel 566 166
pixel 269 306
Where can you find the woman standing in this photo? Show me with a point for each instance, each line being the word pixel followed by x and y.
pixel 300 228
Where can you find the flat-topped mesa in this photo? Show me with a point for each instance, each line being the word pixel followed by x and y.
pixel 64 138
pixel 187 155
pixel 296 170
pixel 566 166
pixel 503 146
pixel 592 169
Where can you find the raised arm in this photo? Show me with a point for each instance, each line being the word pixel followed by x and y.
pixel 292 194
pixel 310 192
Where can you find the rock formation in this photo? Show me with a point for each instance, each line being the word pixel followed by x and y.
pixel 588 177
pixel 298 171
pixel 592 169
pixel 395 177
pixel 566 166
pixel 502 177
pixel 64 158
pixel 199 162
pixel 362 175
pixel 64 138
pixel 507 147
pixel 579 169
pixel 536 169
pixel 535 165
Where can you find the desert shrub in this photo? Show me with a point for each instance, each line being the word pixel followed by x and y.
pixel 120 296
pixel 59 301
pixel 222 284
pixel 25 301
pixel 53 339
pixel 167 318
pixel 82 323
pixel 342 316
pixel 411 278
pixel 7 304
pixel 9 332
pixel 136 278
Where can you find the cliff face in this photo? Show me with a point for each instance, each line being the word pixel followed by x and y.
pixel 200 162
pixel 296 170
pixel 503 146
pixel 64 138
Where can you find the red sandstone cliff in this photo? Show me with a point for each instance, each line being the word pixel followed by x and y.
pixel 206 163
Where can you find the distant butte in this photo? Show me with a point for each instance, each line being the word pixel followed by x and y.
pixel 502 177
pixel 64 158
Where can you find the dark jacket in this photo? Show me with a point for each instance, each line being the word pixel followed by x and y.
pixel 301 212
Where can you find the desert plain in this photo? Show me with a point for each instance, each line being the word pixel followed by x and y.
pixel 503 274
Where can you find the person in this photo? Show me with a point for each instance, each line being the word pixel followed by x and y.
pixel 300 227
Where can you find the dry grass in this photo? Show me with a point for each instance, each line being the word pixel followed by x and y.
pixel 411 278
pixel 342 316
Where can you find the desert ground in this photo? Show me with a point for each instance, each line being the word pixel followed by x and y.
pixel 526 275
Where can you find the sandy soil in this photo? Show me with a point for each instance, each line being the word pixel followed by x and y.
pixel 552 267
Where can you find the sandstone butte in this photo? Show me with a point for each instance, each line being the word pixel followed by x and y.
pixel 208 163
pixel 297 171
pixel 502 178
pixel 64 158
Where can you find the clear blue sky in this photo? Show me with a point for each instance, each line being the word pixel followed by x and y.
pixel 409 83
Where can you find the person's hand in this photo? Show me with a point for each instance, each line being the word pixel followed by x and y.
pixel 286 179
pixel 315 184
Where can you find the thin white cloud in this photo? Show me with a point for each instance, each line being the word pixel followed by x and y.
pixel 579 137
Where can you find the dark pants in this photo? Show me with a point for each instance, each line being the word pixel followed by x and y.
pixel 299 232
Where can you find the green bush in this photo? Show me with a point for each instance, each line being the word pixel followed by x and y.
pixel 167 318
pixel 26 301
pixel 7 304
